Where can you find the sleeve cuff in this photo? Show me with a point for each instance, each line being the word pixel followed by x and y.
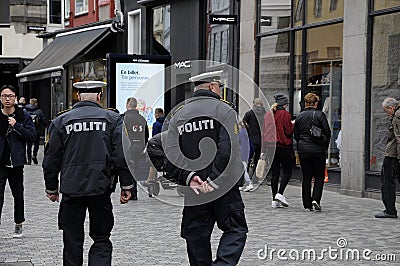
pixel 127 187
pixel 215 186
pixel 48 191
pixel 189 177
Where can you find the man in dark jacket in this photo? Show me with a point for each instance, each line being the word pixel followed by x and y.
pixel 138 134
pixel 391 162
pixel 253 120
pixel 203 155
pixel 16 127
pixel 85 145
pixel 157 126
pixel 40 122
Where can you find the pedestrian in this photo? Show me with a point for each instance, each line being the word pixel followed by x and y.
pixel 209 183
pixel 22 102
pixel 312 150
pixel 284 155
pixel 244 143
pixel 85 148
pixel 391 166
pixel 253 120
pixel 138 134
pixel 16 127
pixel 157 126
pixel 40 121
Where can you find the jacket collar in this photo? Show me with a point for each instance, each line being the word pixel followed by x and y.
pixel 86 103
pixel 206 93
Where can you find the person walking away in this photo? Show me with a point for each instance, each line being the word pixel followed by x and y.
pixel 22 102
pixel 253 120
pixel 40 121
pixel 312 150
pixel 138 134
pixel 211 193
pixel 157 126
pixel 391 166
pixel 85 148
pixel 244 155
pixel 16 127
pixel 283 149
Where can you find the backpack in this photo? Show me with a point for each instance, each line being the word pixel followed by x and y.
pixel 155 152
pixel 35 118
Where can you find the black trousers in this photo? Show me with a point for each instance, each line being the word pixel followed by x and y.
pixel 198 224
pixel 389 172
pixel 15 177
pixel 252 165
pixel 312 167
pixel 35 148
pixel 72 215
pixel 284 157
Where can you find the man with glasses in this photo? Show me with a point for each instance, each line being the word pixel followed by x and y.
pixel 16 128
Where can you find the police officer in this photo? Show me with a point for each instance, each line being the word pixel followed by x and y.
pixel 209 171
pixel 85 145
pixel 138 134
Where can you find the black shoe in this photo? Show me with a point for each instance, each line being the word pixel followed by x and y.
pixel 29 162
pixel 316 206
pixel 35 161
pixel 134 197
pixel 384 214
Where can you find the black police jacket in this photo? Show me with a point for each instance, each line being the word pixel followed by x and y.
pixel 188 147
pixel 84 145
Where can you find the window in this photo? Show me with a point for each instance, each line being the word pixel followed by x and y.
pixel 161 29
pixel 333 5
pixel 1 45
pixel 134 35
pixel 299 11
pixel 81 6
pixel 67 8
pixel 4 12
pixel 55 11
pixel 317 8
pixel 382 4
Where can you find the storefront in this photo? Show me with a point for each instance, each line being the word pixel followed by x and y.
pixel 345 51
pixel 74 55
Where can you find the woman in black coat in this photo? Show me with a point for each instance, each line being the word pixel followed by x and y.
pixel 312 150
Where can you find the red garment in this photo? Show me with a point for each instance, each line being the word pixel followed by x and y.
pixel 279 132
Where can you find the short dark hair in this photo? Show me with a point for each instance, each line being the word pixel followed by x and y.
pixel 10 87
pixel 132 102
pixel 159 111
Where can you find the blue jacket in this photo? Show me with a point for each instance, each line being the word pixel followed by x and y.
pixel 157 126
pixel 17 136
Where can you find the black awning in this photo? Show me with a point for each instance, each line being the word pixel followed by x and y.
pixel 65 48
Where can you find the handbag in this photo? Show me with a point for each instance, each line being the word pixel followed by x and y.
pixel 315 131
pixel 260 167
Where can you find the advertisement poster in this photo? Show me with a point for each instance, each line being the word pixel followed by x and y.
pixel 145 82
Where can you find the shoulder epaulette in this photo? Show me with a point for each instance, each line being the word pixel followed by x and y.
pixel 62 112
pixel 177 110
pixel 228 103
pixel 112 109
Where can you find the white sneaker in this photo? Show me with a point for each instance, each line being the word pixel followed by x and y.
pixel 316 206
pixel 248 188
pixel 282 200
pixel 18 231
pixel 276 204
pixel 240 188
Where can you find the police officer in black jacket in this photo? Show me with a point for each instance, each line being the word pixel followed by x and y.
pixel 202 152
pixel 85 145
pixel 138 134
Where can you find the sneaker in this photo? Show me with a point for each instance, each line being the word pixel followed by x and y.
pixel 29 162
pixel 384 214
pixel 308 209
pixel 248 188
pixel 316 206
pixel 34 160
pixel 276 204
pixel 282 200
pixel 18 231
pixel 241 188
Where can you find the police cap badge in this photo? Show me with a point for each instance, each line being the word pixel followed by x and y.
pixel 89 86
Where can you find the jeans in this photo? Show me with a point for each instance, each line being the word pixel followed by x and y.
pixel 312 167
pixel 15 177
pixel 284 157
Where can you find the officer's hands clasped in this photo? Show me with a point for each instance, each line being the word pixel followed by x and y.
pixel 54 197
pixel 125 196
pixel 198 185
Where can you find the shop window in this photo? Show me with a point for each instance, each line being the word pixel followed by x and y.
pixel 317 8
pixel 161 29
pixel 385 81
pixel 273 17
pixel 81 6
pixel 333 5
pixel 55 11
pixel 4 12
pixel 382 4
pixel 219 34
pixel 324 78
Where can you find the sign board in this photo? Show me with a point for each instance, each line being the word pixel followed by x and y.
pixel 139 76
pixel 223 19
pixel 266 21
pixel 36 28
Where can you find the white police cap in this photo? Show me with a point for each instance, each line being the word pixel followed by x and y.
pixel 207 77
pixel 89 86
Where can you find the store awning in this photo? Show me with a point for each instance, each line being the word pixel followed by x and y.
pixel 62 50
